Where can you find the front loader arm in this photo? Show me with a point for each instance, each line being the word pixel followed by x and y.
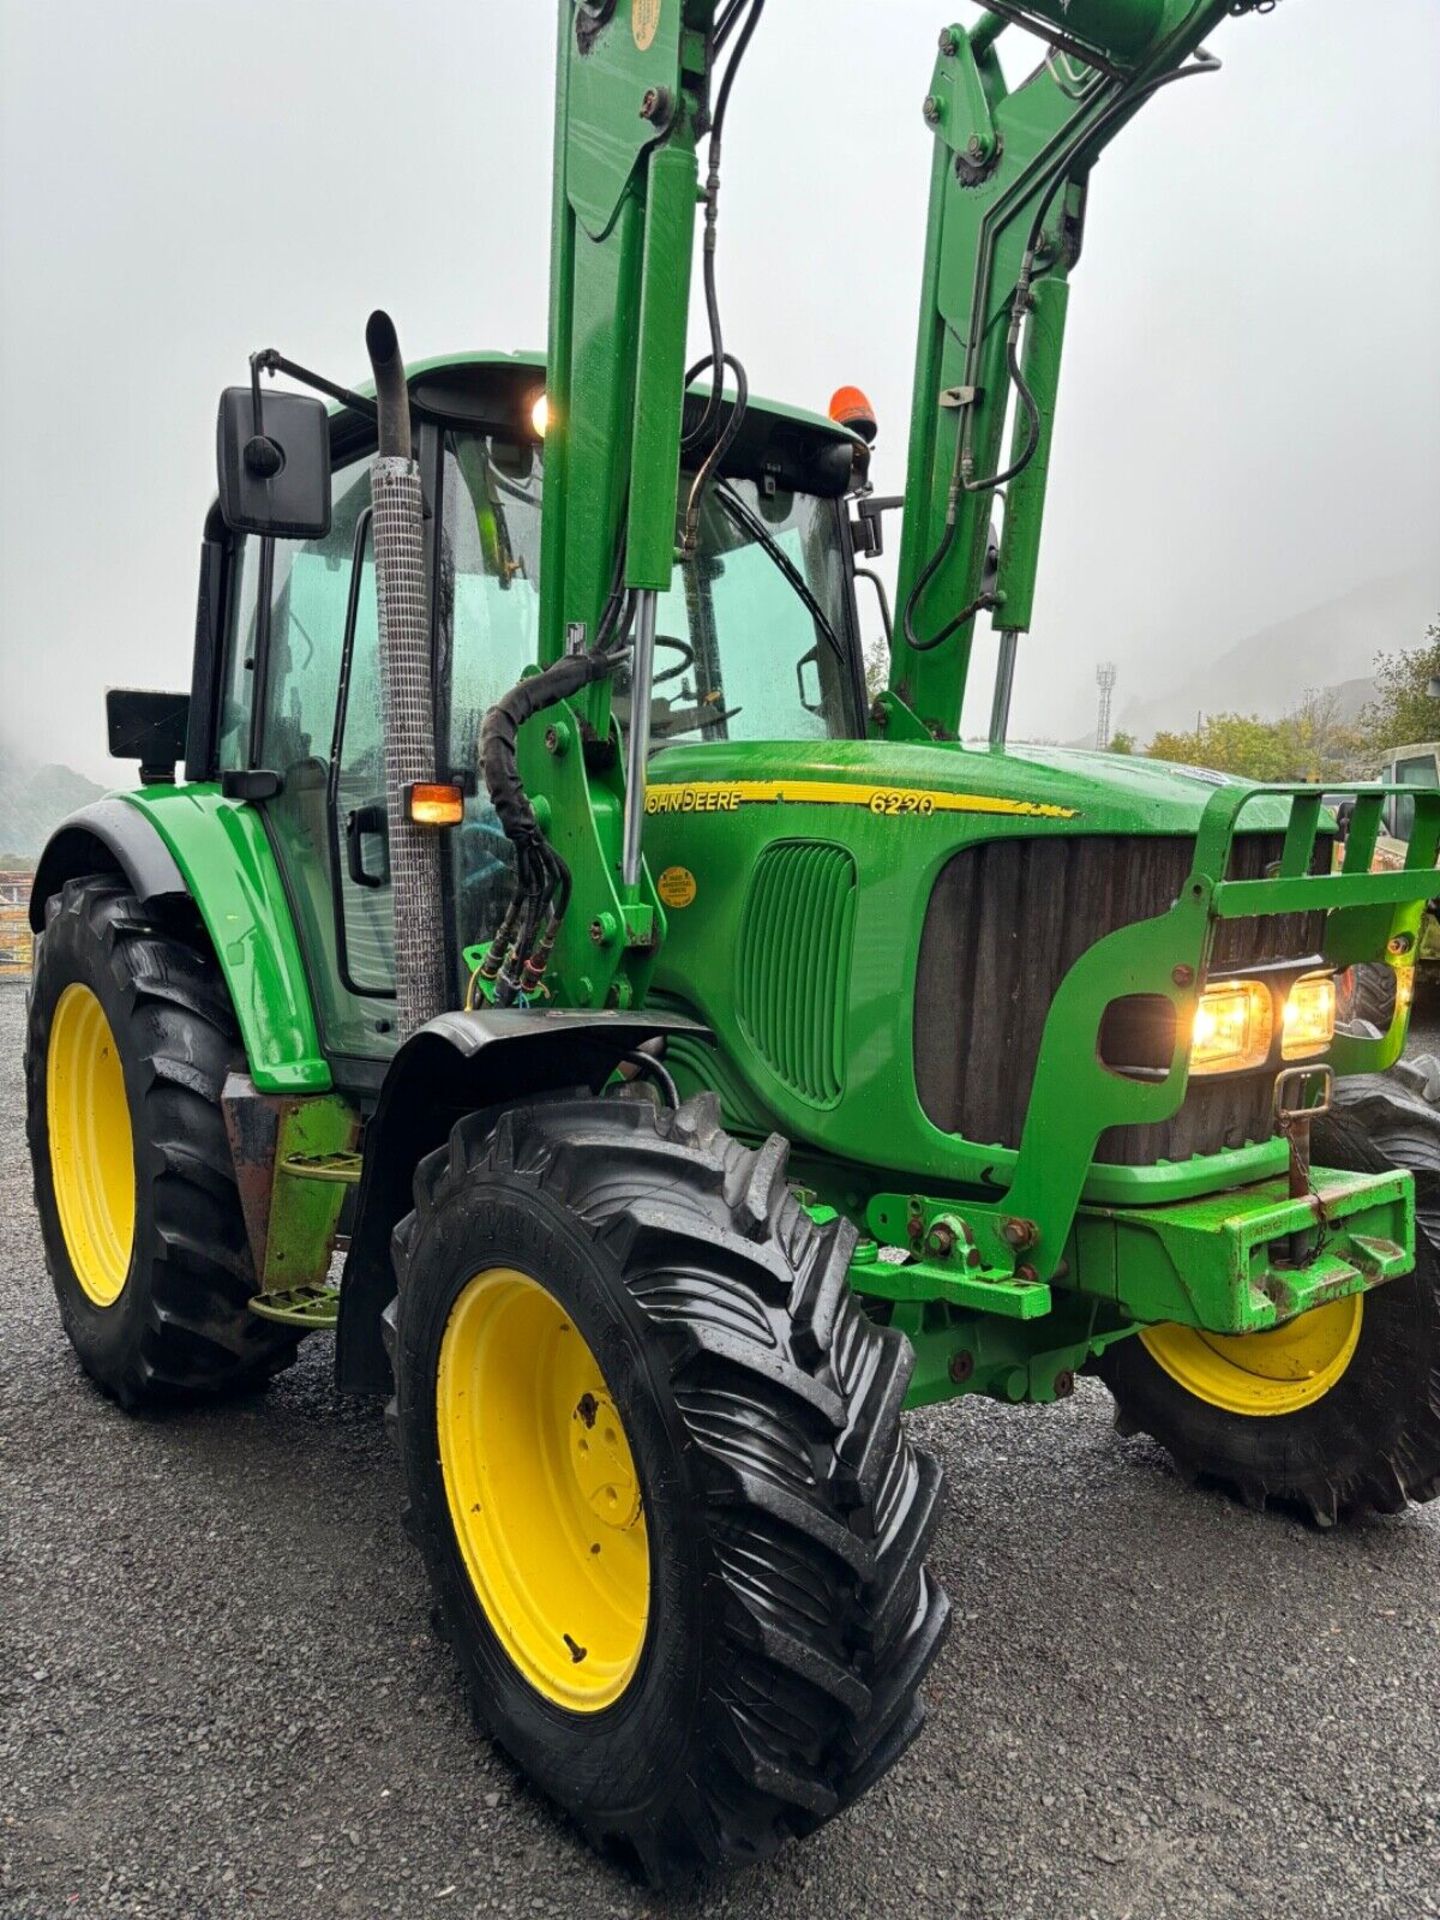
pixel 631 102
pixel 1007 204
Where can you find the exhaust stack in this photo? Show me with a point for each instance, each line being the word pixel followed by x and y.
pixel 407 697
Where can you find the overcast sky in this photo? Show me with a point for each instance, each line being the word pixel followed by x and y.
pixel 1250 408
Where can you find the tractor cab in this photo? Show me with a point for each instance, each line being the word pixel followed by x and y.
pixel 757 639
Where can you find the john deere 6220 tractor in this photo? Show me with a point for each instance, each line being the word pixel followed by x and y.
pixel 696 1061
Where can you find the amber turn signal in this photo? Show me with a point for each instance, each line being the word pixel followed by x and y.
pixel 434 805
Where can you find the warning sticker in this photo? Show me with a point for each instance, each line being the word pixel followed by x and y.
pixel 644 21
pixel 676 886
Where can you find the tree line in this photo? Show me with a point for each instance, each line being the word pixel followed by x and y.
pixel 1312 742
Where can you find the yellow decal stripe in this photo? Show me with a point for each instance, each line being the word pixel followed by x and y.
pixel 727 796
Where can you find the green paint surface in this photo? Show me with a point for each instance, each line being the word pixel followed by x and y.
pixel 220 847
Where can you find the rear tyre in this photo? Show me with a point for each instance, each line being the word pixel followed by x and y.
pixel 129 1041
pixel 1337 1413
pixel 712 1636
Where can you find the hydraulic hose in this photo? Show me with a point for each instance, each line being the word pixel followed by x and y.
pixel 521 948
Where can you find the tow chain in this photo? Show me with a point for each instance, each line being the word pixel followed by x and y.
pixel 1294 1118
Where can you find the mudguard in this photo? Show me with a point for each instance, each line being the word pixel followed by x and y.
pixel 189 846
pixel 108 836
pixel 459 1064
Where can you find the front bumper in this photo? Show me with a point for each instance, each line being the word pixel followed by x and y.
pixel 1223 1263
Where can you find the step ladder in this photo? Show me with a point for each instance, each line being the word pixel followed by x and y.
pixel 313 1308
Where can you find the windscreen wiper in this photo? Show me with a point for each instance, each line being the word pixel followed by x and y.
pixel 736 509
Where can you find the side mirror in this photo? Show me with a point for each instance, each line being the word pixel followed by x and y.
pixel 275 480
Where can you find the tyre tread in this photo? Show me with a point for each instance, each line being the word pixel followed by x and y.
pixel 198 1336
pixel 791 1400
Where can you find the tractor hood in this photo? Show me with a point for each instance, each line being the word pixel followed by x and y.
pixel 1077 791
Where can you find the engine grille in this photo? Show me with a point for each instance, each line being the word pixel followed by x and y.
pixel 1007 920
pixel 794 964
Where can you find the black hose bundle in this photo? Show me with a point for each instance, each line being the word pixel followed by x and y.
pixel 521 949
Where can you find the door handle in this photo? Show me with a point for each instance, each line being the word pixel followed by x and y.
pixel 359 822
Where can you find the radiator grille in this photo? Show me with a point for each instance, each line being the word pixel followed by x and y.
pixel 1005 923
pixel 794 964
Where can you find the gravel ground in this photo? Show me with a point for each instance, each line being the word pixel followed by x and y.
pixel 219 1694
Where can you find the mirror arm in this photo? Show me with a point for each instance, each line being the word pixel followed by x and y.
pixel 261 456
pixel 866 529
pixel 270 360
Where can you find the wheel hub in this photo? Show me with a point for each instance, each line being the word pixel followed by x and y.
pixel 1263 1373
pixel 543 1491
pixel 92 1152
pixel 600 1459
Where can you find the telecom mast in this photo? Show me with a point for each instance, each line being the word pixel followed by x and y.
pixel 1105 680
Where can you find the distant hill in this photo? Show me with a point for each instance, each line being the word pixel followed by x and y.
pixel 34 800
pixel 1332 645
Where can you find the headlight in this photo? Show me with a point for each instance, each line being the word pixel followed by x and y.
pixel 1308 1023
pixel 1233 1023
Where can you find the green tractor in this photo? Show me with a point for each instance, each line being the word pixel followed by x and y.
pixel 696 1061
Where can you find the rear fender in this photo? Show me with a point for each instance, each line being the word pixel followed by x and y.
pixel 186 848
pixel 460 1064
pixel 108 837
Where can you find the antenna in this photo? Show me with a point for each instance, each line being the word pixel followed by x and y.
pixel 1105 676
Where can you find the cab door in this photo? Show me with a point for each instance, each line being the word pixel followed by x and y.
pixel 319 731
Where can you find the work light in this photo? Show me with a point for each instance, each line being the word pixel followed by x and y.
pixel 1308 1023
pixel 1233 1025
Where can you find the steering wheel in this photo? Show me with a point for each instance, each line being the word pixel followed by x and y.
pixel 683 648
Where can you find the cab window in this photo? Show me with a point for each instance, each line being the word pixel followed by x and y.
pixel 1417 771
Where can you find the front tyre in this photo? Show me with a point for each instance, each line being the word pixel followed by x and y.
pixel 654 1454
pixel 1338 1411
pixel 129 1041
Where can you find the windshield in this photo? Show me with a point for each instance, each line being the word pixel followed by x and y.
pixel 754 638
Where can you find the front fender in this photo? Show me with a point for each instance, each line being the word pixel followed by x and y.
pixel 459 1064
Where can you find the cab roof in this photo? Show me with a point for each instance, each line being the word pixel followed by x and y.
pixel 495 393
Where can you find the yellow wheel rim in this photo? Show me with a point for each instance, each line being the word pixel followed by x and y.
pixel 543 1491
pixel 1263 1373
pixel 92 1152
